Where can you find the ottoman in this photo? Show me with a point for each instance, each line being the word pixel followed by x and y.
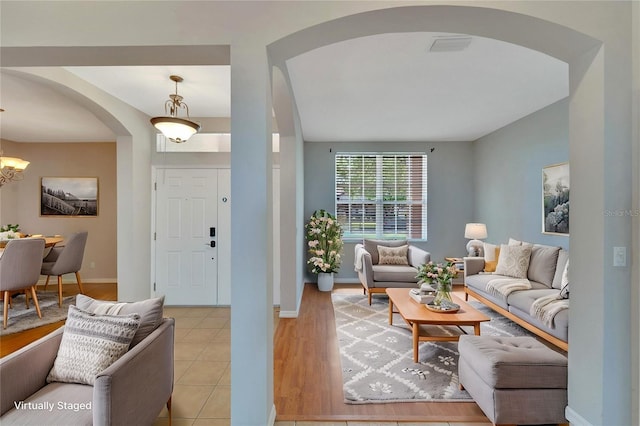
pixel 514 380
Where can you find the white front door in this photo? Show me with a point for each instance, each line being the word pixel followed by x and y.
pixel 186 263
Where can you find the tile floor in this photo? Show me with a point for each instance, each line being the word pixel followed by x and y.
pixel 202 387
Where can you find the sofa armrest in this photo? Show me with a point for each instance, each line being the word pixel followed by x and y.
pixel 135 388
pixel 473 265
pixel 417 256
pixel 364 266
pixel 25 371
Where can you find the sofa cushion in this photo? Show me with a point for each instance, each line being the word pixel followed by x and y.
pixel 69 404
pixel 491 254
pixel 514 260
pixel 372 247
pixel 393 255
pixel 150 312
pixel 563 258
pixel 90 343
pixel 542 264
pixel 564 291
pixel 395 273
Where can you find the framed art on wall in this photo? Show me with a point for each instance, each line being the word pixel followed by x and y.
pixel 555 199
pixel 69 196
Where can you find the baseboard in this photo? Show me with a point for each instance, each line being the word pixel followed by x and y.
pixel 272 416
pixel 288 314
pixel 347 281
pixel 574 418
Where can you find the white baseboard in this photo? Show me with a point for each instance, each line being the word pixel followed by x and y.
pixel 574 418
pixel 347 281
pixel 272 415
pixel 288 314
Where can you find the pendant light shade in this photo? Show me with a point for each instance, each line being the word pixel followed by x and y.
pixel 176 129
pixel 11 168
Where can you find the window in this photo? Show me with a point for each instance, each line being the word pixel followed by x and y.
pixel 382 195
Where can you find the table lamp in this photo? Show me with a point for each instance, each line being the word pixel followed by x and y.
pixel 475 231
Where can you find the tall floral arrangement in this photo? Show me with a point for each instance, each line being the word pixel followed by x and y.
pixel 324 240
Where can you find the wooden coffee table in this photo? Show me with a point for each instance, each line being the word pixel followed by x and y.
pixel 416 315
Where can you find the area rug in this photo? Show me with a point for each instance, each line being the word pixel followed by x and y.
pixel 377 359
pixel 21 318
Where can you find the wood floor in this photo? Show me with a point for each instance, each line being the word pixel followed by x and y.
pixel 307 371
pixel 308 378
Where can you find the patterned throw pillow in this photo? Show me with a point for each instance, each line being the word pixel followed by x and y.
pixel 393 255
pixel 150 312
pixel 514 261
pixel 90 343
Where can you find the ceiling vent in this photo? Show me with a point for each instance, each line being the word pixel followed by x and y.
pixel 450 44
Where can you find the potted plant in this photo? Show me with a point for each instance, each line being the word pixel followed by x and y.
pixel 324 241
pixel 440 275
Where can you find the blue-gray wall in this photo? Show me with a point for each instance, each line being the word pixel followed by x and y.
pixel 508 174
pixel 450 187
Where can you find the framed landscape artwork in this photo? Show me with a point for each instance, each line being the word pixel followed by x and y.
pixel 555 199
pixel 69 196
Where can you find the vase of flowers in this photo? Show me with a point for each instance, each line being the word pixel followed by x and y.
pixel 441 276
pixel 324 241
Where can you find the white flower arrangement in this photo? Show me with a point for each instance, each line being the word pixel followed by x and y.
pixel 324 239
pixel 9 232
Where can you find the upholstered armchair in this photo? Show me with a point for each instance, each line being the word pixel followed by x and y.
pixel 381 264
pixel 131 391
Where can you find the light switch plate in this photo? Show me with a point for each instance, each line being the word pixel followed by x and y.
pixel 619 256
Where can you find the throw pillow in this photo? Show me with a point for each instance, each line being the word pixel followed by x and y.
pixel 513 261
pixel 393 255
pixel 150 312
pixel 564 292
pixel 491 253
pixel 91 343
pixel 372 247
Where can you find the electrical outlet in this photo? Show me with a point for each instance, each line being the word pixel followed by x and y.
pixel 619 256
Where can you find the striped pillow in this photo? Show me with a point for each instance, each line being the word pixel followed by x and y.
pixel 90 343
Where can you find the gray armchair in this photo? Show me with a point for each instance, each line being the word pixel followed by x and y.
pixel 376 277
pixel 65 260
pixel 20 269
pixel 131 391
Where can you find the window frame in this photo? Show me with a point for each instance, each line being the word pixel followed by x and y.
pixel 418 216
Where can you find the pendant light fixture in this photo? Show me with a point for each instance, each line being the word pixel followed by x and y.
pixel 11 168
pixel 176 129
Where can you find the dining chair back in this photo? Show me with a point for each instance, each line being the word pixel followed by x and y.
pixel 20 266
pixel 65 259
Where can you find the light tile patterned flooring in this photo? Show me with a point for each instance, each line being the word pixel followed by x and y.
pixel 202 382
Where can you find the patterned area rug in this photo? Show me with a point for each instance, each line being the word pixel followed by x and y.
pixel 21 318
pixel 377 359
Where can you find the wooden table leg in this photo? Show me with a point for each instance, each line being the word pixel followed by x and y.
pixel 476 329
pixel 416 329
pixel 390 312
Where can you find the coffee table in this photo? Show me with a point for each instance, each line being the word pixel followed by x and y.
pixel 416 315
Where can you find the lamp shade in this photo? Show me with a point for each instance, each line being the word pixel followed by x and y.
pixel 14 163
pixel 175 129
pixel 475 231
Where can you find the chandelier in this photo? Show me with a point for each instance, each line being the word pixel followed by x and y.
pixel 176 129
pixel 11 168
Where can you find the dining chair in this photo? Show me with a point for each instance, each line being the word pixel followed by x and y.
pixel 65 260
pixel 20 266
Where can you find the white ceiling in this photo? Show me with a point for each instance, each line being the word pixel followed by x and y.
pixel 387 87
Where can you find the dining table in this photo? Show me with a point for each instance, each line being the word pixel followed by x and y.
pixel 49 241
